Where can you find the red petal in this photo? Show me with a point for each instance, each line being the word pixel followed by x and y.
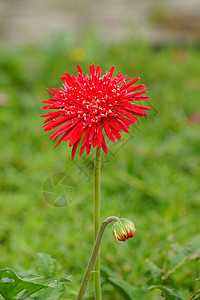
pixel 128 113
pixel 53 124
pixel 79 70
pixel 74 148
pixel 110 73
pixel 62 138
pixel 92 70
pixel 108 130
pixel 65 127
pixel 135 88
pixel 132 95
pixel 126 85
pixel 84 141
pixel 77 134
pixel 99 135
pixel 122 124
pixel 92 132
pixel 104 147
pixel 136 98
pixel 88 148
pixel 98 72
pixel 117 134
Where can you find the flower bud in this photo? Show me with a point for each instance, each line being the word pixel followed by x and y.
pixel 123 230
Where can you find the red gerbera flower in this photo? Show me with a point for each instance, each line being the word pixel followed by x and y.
pixel 88 106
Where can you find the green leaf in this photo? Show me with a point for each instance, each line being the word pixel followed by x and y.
pixel 66 278
pixel 196 296
pixel 127 289
pixel 71 294
pixel 46 265
pixel 31 277
pixel 13 287
pixel 56 287
pixel 52 282
pixel 155 270
pixel 53 293
pixel 180 256
pixel 169 294
pixel 181 253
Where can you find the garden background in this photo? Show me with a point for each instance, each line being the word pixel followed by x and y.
pixel 151 177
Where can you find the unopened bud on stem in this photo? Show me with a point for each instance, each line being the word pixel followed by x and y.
pixel 123 230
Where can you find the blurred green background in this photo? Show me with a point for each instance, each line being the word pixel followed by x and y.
pixel 151 176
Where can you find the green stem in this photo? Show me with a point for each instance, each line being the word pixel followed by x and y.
pixel 93 256
pixel 97 167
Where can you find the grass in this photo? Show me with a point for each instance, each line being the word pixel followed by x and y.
pixel 152 177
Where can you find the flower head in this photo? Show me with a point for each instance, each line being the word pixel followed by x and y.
pixel 123 230
pixel 89 107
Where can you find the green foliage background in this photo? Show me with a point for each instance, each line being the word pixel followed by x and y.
pixel 152 177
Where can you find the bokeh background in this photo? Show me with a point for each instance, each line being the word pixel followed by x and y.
pixel 152 176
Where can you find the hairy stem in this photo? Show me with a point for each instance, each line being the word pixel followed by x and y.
pixel 97 168
pixel 93 256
